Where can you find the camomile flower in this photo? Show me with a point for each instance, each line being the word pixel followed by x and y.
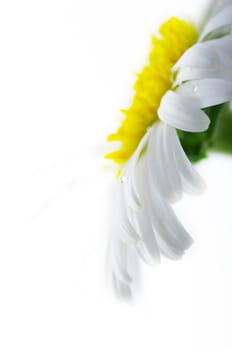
pixel 178 96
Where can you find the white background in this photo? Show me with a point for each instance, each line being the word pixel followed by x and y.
pixel 66 68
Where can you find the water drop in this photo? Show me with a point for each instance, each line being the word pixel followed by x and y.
pixel 123 179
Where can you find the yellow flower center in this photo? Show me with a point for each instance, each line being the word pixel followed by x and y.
pixel 176 36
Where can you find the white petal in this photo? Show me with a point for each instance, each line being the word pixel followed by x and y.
pixel 221 45
pixel 219 5
pixel 199 55
pixel 224 52
pixel 122 290
pixel 210 92
pixel 168 251
pixel 124 267
pixel 191 180
pixel 123 225
pixel 131 191
pixel 211 59
pixel 199 62
pixel 147 246
pixel 161 163
pixel 179 169
pixel 167 224
pixel 183 112
pixel 141 222
pixel 221 72
pixel 217 22
pixel 119 260
pixel 167 227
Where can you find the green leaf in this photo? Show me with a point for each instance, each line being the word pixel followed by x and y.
pixel 221 140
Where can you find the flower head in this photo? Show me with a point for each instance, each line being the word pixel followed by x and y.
pixel 176 36
pixel 186 73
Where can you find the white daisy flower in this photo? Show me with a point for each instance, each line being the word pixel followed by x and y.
pixel 187 72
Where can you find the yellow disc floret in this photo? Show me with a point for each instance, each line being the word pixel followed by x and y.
pixel 176 36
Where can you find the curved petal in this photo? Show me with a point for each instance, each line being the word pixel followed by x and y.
pixel 199 55
pixel 198 62
pixel 211 59
pixel 168 251
pixel 191 181
pixel 220 4
pixel 147 246
pixel 122 221
pixel 122 290
pixel 124 262
pixel 168 229
pixel 220 20
pixel 224 52
pixel 183 112
pixel 221 45
pixel 209 92
pixel 119 260
pixel 161 164
pixel 128 175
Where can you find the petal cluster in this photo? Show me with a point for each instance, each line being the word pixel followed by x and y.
pixel 158 172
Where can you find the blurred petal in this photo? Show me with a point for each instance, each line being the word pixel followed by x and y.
pixel 122 221
pixel 128 175
pixel 147 247
pixel 221 19
pixel 119 260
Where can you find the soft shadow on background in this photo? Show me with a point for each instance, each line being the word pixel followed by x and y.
pixel 66 70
